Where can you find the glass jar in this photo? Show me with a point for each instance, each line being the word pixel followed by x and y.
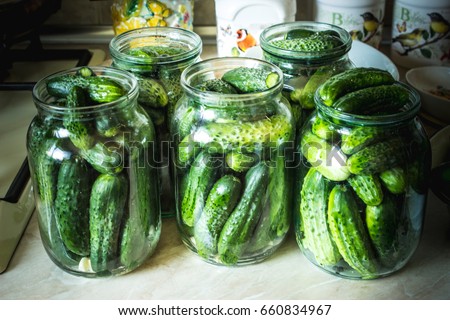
pixel 93 172
pixel 157 56
pixel 134 14
pixel 304 68
pixel 232 176
pixel 361 188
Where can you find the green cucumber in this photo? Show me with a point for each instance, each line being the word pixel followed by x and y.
pixel 100 89
pixel 352 80
pixel 383 99
pixel 107 209
pixel 382 225
pixel 105 158
pixel 239 227
pixel 324 129
pixel 249 136
pixel 377 157
pixel 324 156
pixel 316 42
pixel 72 204
pixel 247 80
pixel 201 177
pixel 313 219
pixel 241 162
pixel 152 93
pixel 394 179
pixel 221 201
pixel 360 137
pixel 367 187
pixel 348 232
pixel 280 195
pixel 217 85
pixel 318 78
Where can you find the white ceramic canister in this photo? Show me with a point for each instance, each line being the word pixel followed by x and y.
pixel 421 33
pixel 363 19
pixel 240 22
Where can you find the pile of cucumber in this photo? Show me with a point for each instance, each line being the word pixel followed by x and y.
pixel 234 190
pixel 95 182
pixel 359 181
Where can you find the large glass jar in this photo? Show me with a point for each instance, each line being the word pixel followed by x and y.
pixel 308 53
pixel 91 152
pixel 232 153
pixel 157 56
pixel 362 185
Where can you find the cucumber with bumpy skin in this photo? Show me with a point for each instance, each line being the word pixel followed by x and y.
pixel 325 157
pixel 72 204
pixel 382 224
pixel 201 177
pixel 373 100
pixel 249 136
pixel 109 196
pixel 99 89
pixel 368 188
pixel 239 227
pixel 313 219
pixel 352 80
pixel 394 179
pixel 348 232
pixel 220 203
pixel 360 137
pixel 377 157
pixel 152 93
pixel 247 80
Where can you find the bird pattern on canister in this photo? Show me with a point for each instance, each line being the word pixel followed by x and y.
pixel 420 36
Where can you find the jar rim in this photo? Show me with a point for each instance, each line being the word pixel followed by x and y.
pixel 120 43
pixel 41 96
pixel 218 66
pixel 280 29
pixel 407 113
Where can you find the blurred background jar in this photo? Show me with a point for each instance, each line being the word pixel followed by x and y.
pixel 240 22
pixel 362 182
pixel 421 33
pixel 233 182
pixel 363 19
pixel 157 56
pixel 91 149
pixel 133 14
pixel 306 60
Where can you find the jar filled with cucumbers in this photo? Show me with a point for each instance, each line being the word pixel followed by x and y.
pixel 157 56
pixel 233 133
pixel 91 151
pixel 308 53
pixel 361 184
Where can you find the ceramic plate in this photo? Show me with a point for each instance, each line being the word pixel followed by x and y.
pixel 440 146
pixel 361 54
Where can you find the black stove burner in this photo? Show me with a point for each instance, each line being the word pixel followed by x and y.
pixel 35 52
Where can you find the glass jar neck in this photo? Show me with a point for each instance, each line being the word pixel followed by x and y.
pixel 189 43
pixel 402 117
pixel 215 68
pixel 292 59
pixel 47 104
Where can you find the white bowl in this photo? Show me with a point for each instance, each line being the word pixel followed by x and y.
pixel 427 79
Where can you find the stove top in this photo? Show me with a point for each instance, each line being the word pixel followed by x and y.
pixel 17 108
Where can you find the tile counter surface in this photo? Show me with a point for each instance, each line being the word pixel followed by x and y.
pixel 173 272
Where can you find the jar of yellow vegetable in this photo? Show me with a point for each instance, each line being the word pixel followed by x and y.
pixel 134 14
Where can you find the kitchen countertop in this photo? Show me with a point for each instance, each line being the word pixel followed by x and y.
pixel 173 272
